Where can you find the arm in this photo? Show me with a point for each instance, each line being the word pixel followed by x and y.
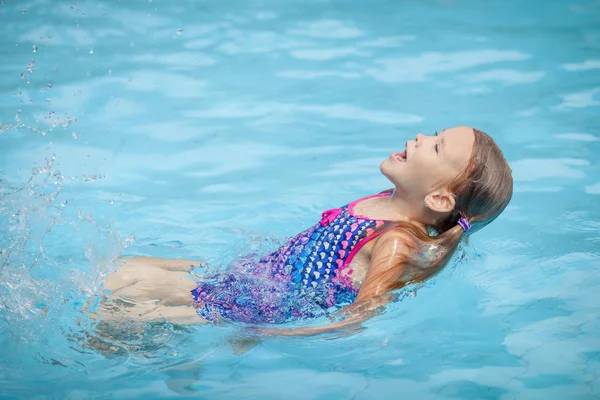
pixel 385 268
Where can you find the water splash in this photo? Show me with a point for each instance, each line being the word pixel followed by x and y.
pixel 51 260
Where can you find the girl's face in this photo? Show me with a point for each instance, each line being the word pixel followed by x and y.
pixel 430 163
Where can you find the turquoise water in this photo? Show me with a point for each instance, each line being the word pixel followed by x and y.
pixel 208 129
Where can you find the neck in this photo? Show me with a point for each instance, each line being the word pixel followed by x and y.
pixel 411 207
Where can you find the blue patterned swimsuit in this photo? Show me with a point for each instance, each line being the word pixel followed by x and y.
pixel 304 278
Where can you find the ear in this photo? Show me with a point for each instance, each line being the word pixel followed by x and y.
pixel 440 201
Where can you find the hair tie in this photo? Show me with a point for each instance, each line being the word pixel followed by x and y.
pixel 464 224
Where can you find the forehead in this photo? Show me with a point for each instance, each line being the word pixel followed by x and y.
pixel 458 145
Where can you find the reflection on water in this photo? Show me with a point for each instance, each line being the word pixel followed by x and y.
pixel 209 129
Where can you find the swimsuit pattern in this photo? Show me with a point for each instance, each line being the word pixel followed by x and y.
pixel 304 278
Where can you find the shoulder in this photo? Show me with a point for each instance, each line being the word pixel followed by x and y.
pixel 389 256
pixel 394 242
pixel 404 233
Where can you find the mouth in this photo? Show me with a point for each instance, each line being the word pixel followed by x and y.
pixel 400 157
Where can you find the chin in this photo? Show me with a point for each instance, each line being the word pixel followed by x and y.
pixel 385 169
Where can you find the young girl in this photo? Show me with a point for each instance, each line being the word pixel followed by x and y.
pixel 445 186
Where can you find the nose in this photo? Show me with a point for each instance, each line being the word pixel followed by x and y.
pixel 419 139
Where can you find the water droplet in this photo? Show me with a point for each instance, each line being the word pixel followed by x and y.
pixel 23 11
pixel 91 51
pixel 34 48
pixel 63 203
pixel 179 31
pixel 111 201
pixel 30 66
pixel 49 85
pixel 23 76
pixel 42 89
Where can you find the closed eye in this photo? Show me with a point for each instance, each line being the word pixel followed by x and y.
pixel 437 149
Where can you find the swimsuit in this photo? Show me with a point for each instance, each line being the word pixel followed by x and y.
pixel 304 278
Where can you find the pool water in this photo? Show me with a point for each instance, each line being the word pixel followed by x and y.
pixel 210 129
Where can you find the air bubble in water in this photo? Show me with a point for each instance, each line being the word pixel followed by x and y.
pixel 23 11
pixel 34 48
pixel 91 51
pixel 49 85
pixel 111 201
pixel 179 31
pixel 63 203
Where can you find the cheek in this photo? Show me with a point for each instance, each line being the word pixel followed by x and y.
pixel 433 176
pixel 426 172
